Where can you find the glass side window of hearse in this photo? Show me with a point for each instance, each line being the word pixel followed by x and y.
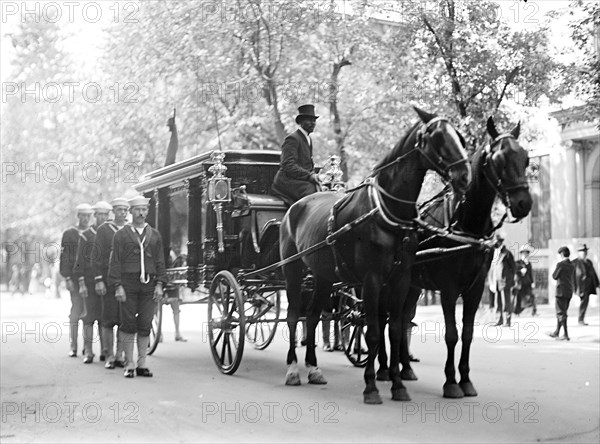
pixel 178 205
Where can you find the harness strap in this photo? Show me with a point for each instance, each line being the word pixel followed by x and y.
pixel 342 270
pixel 328 241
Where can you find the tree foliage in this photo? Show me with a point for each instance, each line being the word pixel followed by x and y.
pixel 237 71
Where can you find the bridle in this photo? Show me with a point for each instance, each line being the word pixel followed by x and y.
pixel 440 167
pixel 376 190
pixel 490 172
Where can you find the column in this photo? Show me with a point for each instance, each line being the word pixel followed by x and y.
pixel 570 193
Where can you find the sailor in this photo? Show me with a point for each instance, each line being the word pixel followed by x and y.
pixel 69 247
pixel 137 274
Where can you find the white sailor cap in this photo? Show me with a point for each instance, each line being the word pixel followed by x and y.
pixel 120 202
pixel 139 201
pixel 102 207
pixel 84 208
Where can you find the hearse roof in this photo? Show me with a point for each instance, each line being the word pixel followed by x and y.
pixel 194 166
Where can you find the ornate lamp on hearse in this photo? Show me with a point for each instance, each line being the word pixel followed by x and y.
pixel 331 175
pixel 219 192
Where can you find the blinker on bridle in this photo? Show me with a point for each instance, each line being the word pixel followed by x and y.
pixel 491 173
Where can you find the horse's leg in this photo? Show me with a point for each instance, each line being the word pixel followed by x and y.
pixel 370 292
pixel 397 333
pixel 451 388
pixel 410 306
pixel 470 303
pixel 383 374
pixel 293 278
pixel 313 316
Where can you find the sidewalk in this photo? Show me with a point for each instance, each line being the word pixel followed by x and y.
pixel 538 326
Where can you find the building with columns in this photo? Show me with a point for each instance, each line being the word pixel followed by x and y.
pixel 565 186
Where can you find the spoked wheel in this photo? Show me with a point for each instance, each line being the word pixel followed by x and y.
pixel 156 329
pixel 226 322
pixel 262 308
pixel 353 324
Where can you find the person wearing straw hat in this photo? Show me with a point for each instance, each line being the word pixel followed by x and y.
pixel 137 273
pixel 501 280
pixel 82 271
pixel 100 260
pixel 564 274
pixel 524 282
pixel 296 177
pixel 69 247
pixel 586 281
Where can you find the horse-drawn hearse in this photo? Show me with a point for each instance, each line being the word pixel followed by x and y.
pixel 233 244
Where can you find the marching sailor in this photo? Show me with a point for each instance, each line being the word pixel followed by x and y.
pixel 110 306
pixel 69 247
pixel 82 271
pixel 137 274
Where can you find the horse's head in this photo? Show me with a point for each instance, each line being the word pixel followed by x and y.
pixel 505 167
pixel 444 150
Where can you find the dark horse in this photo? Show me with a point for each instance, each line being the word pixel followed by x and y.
pixel 498 170
pixel 376 249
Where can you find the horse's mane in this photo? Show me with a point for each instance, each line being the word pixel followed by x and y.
pixel 394 153
pixel 476 165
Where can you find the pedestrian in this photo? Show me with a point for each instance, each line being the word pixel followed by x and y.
pixel 14 283
pixel 296 176
pixel 564 274
pixel 501 280
pixel 524 282
pixel 83 272
pixel 586 281
pixel 69 246
pixel 175 261
pixel 110 306
pixel 137 273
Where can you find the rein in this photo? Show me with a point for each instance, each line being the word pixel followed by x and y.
pixel 375 192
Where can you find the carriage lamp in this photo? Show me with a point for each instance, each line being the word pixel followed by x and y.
pixel 219 192
pixel 332 174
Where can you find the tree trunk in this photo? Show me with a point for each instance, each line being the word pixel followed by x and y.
pixel 335 115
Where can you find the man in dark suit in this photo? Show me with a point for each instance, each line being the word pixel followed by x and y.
pixel 564 274
pixel 137 273
pixel 501 280
pixel 69 247
pixel 586 281
pixel 524 282
pixel 296 177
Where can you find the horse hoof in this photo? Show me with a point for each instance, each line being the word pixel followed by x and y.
pixel 292 378
pixel 468 389
pixel 408 375
pixel 383 374
pixel 315 376
pixel 453 391
pixel 372 398
pixel 400 394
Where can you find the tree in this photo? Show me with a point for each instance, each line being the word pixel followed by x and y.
pixel 586 35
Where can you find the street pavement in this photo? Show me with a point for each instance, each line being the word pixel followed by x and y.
pixel 531 387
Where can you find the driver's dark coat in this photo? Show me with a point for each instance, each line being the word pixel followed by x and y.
pixel 294 176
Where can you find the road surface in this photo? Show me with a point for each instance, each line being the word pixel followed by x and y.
pixel 531 387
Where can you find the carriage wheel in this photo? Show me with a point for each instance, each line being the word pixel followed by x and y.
pixel 353 325
pixel 156 329
pixel 263 306
pixel 226 322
